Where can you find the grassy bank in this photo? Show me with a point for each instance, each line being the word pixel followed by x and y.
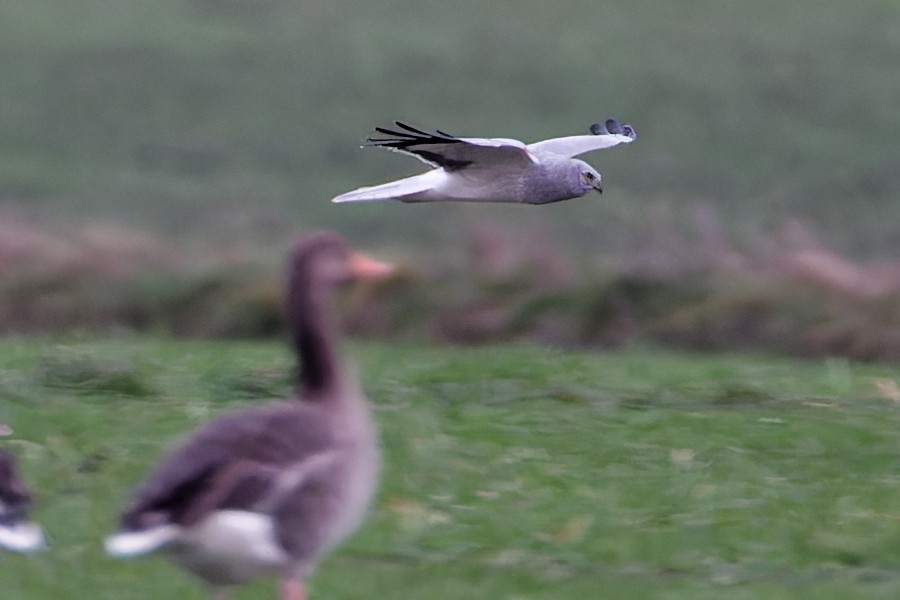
pixel 790 295
pixel 510 471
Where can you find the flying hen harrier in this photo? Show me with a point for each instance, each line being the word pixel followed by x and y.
pixel 492 169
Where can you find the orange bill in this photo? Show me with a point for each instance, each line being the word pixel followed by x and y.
pixel 361 266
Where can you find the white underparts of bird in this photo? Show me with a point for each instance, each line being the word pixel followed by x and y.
pixel 492 169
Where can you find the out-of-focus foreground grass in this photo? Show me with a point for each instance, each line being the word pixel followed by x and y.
pixel 509 471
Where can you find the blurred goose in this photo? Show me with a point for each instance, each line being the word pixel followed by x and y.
pixel 269 490
pixel 16 533
pixel 492 169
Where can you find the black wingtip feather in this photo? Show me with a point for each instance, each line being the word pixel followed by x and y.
pixel 408 137
pixel 613 127
pixel 415 141
pixel 411 129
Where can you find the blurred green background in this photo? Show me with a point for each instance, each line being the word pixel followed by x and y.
pixel 221 128
pixel 210 116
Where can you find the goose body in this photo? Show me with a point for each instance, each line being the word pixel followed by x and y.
pixel 269 490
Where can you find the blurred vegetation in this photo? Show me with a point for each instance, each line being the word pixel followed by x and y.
pixel 791 294
pixel 225 118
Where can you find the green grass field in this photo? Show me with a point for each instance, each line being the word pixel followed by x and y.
pixel 511 472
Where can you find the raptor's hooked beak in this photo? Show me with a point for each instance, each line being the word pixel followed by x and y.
pixel 598 185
